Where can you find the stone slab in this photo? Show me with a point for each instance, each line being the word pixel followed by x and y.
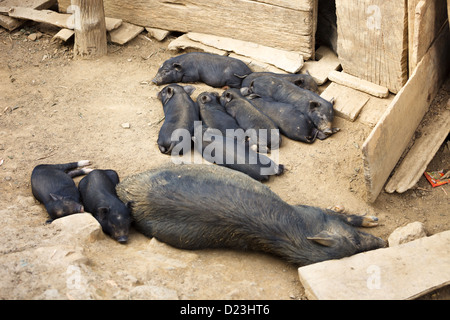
pixel 402 272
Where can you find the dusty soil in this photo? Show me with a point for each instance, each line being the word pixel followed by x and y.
pixel 56 109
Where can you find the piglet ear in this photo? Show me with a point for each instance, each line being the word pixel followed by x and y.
pixel 189 89
pixel 299 82
pixel 245 91
pixel 205 99
pixel 324 238
pixel 313 105
pixel 55 197
pixel 253 96
pixel 228 97
pixel 103 212
pixel 177 66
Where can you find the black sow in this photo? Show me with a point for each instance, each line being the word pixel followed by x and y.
pixel 204 206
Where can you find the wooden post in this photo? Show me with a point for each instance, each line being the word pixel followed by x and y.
pixel 90 28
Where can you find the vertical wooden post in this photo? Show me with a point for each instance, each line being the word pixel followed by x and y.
pixel 90 28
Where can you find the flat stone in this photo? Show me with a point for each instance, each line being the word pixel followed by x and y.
pixel 406 271
pixel 410 232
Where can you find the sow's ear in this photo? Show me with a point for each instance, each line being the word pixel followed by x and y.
pixel 299 82
pixel 324 238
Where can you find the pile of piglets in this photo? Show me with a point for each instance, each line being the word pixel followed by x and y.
pixel 275 104
pixel 198 206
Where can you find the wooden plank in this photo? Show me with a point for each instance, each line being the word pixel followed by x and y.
pixel 407 271
pixel 348 102
pixel 63 35
pixel 184 43
pixel 125 33
pixel 11 23
pixel 286 60
pixel 46 16
pixel 373 42
pixel 62 20
pixel 267 23
pixel 412 4
pixel 358 84
pixel 422 152
pixel 256 65
pixel 158 34
pixel 326 61
pixel 430 17
pixel 374 110
pixel 390 137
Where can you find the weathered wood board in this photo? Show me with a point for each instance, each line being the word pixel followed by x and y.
pixel 358 84
pixel 348 102
pixel 286 60
pixel 429 18
pixel 10 23
pixel 374 109
pixel 284 24
pixel 156 33
pixel 125 33
pixel 373 41
pixel 407 271
pixel 63 35
pixel 61 20
pixel 390 137
pixel 422 152
pixel 326 61
pixel 184 43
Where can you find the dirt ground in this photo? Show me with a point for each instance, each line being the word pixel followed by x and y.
pixel 56 109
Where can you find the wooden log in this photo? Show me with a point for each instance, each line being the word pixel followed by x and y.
pixel 284 24
pixel 422 152
pixel 373 42
pixel 90 29
pixel 358 84
pixel 390 137
pixel 407 271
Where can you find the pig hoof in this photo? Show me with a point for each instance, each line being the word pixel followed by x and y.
pixel 370 221
pixel 338 208
pixel 83 163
